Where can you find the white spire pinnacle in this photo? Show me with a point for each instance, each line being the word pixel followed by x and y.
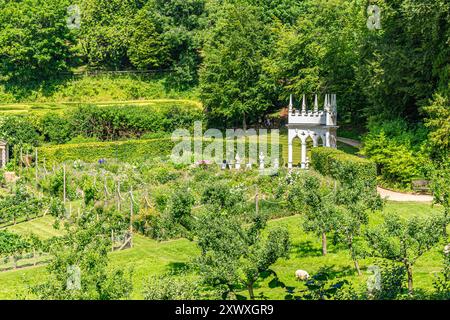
pixel 304 104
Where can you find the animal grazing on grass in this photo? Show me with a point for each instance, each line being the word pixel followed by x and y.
pixel 301 275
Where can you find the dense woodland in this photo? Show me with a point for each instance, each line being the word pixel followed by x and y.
pixel 247 56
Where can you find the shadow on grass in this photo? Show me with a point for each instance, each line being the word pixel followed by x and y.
pixel 178 268
pixel 306 249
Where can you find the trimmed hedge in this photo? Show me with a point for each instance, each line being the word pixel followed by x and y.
pixel 343 167
pixel 128 151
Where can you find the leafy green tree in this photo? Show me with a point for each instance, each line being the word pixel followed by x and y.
pixel 18 131
pixel 440 177
pixel 404 241
pixel 147 49
pixel 230 77
pixel 234 254
pixel 84 248
pixel 437 120
pixel 355 200
pixel 404 62
pixel 442 282
pixel 105 32
pixel 34 40
pixel 56 129
pixel 317 204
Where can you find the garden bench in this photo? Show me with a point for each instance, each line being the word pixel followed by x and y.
pixel 420 185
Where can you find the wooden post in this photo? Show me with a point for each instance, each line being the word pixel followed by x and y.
pixel 64 184
pixel 257 202
pixel 131 216
pixel 112 240
pixel 20 160
pixel 118 195
pixel 36 167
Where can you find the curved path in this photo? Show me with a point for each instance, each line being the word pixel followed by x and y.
pixel 388 194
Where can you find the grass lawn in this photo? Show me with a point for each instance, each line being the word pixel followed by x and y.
pixel 149 257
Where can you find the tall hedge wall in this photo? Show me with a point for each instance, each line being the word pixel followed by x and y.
pixel 130 150
pixel 343 166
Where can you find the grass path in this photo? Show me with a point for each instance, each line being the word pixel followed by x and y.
pixel 40 107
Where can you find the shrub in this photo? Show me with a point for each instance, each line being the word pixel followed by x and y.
pixel 344 167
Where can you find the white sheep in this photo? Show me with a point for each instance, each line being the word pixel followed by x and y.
pixel 301 275
pixel 447 249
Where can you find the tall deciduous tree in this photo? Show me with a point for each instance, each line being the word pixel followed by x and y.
pixel 230 77
pixel 34 39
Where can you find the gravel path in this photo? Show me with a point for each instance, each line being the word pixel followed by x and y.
pixel 403 197
pixel 388 194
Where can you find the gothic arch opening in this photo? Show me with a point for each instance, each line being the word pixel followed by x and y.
pixel 296 151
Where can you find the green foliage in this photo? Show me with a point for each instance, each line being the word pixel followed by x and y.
pixel 231 74
pixel 442 281
pixel 392 282
pixel 22 204
pixel 437 119
pixel 34 39
pixel 56 129
pixel 404 241
pixel 167 287
pixel 343 167
pixel 397 152
pixel 220 195
pixel 319 287
pixel 234 254
pixel 312 195
pixel 131 150
pixel 18 131
pixel 76 250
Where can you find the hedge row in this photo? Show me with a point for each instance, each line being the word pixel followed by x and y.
pixel 343 167
pixel 128 151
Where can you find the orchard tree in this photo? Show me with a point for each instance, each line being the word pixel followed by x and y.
pixel 78 269
pixel 355 198
pixel 440 185
pixel 234 254
pixel 313 196
pixel 404 241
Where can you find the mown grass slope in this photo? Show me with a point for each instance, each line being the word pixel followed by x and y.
pixel 149 257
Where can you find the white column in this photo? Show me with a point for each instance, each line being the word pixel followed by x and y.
pixel 327 139
pixel 304 154
pixel 3 150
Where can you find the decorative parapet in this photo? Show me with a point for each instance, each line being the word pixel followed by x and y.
pixel 315 116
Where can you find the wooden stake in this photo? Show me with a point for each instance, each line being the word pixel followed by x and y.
pixel 37 168
pixel 131 216
pixel 257 202
pixel 112 240
pixel 64 184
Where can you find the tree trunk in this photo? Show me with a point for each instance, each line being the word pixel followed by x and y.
pixel 355 261
pixel 324 244
pixel 250 291
pixel 244 123
pixel 357 266
pixel 410 278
